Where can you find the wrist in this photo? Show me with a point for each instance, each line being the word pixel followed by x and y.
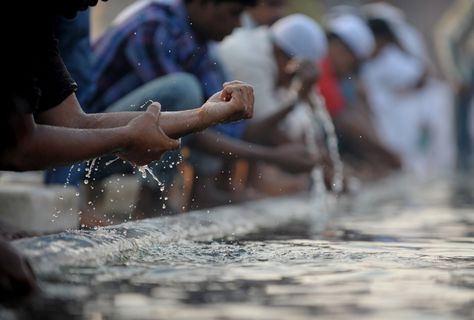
pixel 125 138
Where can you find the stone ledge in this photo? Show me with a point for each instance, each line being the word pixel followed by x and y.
pixel 35 208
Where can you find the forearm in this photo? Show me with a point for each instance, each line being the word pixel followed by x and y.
pixel 175 124
pixel 262 127
pixel 225 147
pixel 64 146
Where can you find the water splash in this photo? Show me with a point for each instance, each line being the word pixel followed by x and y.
pixel 108 163
pixel 144 170
pixel 112 243
pixel 331 139
pixel 89 170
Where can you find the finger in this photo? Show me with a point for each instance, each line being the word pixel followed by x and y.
pixel 233 82
pixel 154 109
pixel 226 93
pixel 169 143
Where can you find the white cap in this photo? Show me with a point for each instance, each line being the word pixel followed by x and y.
pixel 300 36
pixel 355 33
pixel 384 11
pixel 408 37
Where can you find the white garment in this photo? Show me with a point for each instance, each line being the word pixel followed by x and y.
pixel 354 32
pixel 248 56
pixel 387 78
pixel 402 114
pixel 300 36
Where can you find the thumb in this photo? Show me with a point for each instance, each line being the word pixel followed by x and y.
pixel 226 93
pixel 154 109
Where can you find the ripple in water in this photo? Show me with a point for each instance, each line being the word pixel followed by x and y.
pixel 388 255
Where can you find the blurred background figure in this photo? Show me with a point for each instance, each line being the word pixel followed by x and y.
pixel 454 36
pixel 412 109
pixel 164 51
pixel 270 59
pixel 350 44
pixel 265 13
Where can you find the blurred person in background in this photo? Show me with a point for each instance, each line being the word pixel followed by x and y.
pixel 350 44
pixel 265 13
pixel 271 58
pixel 412 109
pixel 163 50
pixel 454 37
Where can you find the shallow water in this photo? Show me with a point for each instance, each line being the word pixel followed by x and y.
pixel 397 251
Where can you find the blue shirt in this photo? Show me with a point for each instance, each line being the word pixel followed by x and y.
pixel 149 40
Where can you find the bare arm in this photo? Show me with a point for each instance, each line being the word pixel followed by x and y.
pixel 39 146
pixel 234 102
pixel 264 130
pixel 293 157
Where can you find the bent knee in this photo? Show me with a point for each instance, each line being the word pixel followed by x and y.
pixel 188 89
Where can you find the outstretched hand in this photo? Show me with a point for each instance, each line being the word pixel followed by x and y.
pixel 234 102
pixel 147 141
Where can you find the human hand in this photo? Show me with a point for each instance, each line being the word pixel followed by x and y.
pixel 16 275
pixel 305 74
pixel 294 158
pixel 147 141
pixel 234 102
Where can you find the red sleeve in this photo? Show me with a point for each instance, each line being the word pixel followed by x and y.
pixel 330 89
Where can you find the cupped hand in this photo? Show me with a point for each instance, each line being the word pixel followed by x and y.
pixel 234 102
pixel 147 141
pixel 306 73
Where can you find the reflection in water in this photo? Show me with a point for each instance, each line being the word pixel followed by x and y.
pixel 387 254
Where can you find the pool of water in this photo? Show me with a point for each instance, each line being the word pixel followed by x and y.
pixel 396 251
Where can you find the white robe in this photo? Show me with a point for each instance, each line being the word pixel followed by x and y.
pixel 402 114
pixel 248 56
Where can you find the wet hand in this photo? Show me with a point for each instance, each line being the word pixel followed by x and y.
pixel 234 102
pixel 305 73
pixel 147 141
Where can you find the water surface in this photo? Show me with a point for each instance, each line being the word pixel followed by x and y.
pixel 396 251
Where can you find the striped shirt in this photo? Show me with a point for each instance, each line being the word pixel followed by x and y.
pixel 148 40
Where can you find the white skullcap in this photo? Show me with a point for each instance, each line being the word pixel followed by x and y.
pixel 408 37
pixel 384 11
pixel 300 36
pixel 355 33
